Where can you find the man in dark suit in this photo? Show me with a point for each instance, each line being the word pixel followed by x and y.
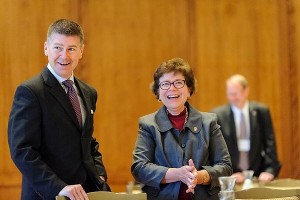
pixel 51 124
pixel 248 132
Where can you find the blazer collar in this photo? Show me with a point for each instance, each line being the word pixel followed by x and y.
pixel 194 121
pixel 229 111
pixel 229 126
pixel 229 123
pixel 252 110
pixel 252 116
pixel 58 92
pixel 85 95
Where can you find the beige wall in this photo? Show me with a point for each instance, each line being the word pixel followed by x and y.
pixel 127 39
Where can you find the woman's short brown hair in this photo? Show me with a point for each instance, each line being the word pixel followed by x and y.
pixel 176 65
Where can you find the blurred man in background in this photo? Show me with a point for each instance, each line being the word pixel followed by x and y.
pixel 248 131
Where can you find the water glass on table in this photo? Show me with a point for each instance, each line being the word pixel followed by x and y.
pixel 248 174
pixel 227 184
pixel 226 195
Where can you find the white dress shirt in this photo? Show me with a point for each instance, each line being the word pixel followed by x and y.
pixel 60 80
pixel 243 145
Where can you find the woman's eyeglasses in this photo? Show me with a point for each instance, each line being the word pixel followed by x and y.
pixel 177 84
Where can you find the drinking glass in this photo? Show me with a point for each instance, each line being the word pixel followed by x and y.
pixel 226 195
pixel 227 183
pixel 248 174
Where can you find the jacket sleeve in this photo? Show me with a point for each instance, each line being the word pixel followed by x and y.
pixel 97 156
pixel 24 138
pixel 220 164
pixel 271 163
pixel 144 169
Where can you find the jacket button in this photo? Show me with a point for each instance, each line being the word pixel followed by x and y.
pixel 183 145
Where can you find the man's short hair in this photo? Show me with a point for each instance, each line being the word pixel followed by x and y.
pixel 66 27
pixel 238 78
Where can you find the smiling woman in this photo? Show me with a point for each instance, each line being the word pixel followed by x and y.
pixel 169 84
pixel 180 152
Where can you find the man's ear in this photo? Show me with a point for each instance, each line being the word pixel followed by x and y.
pixel 81 50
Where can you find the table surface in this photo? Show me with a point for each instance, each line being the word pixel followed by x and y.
pixel 277 183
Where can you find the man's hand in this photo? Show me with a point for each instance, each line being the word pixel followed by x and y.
pixel 239 177
pixel 74 192
pixel 265 177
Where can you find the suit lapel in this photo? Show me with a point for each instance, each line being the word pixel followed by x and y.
pixel 253 124
pixel 86 101
pixel 253 117
pixel 232 128
pixel 58 92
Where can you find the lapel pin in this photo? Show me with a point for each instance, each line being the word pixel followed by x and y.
pixel 92 112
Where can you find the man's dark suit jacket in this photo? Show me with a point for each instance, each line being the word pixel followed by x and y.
pixel 46 142
pixel 263 154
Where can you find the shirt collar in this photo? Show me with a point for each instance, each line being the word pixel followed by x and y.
pixel 245 109
pixel 59 78
pixel 194 121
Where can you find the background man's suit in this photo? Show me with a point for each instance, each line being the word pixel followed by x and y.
pixel 262 154
pixel 46 142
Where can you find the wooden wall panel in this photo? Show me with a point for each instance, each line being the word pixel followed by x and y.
pixel 127 39
pixel 246 37
pixel 294 33
pixel 18 39
pixel 23 31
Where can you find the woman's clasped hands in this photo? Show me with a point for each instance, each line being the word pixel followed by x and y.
pixel 188 175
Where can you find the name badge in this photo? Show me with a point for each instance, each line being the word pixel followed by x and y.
pixel 244 145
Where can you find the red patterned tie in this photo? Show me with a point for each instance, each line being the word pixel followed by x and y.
pixel 74 99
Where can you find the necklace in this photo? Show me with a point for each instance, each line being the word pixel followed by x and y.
pixel 186 115
pixel 175 119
